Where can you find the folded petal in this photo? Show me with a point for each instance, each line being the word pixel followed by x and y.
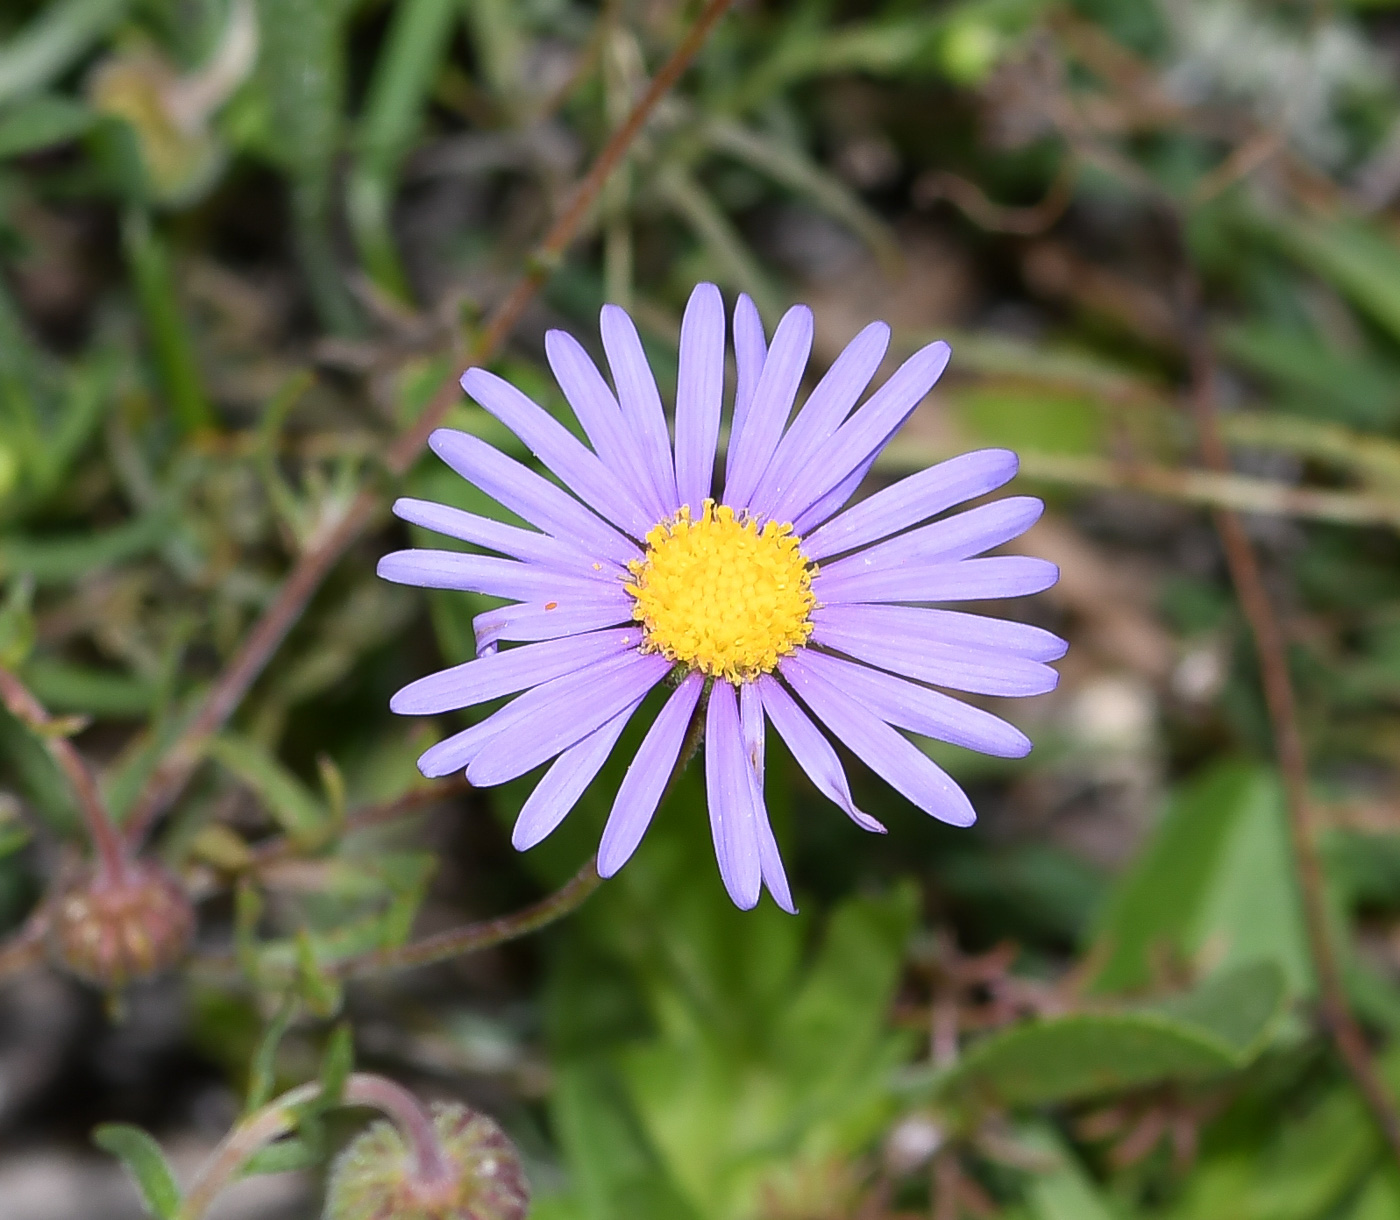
pixel 912 500
pixel 640 400
pixel 495 535
pixel 750 350
pixel 823 412
pixel 922 624
pixel 591 698
pixel 565 781
pixel 930 713
pixel 856 442
pixel 647 776
pixel 429 569
pixel 530 495
pixel 730 799
pixel 596 408
pixel 965 580
pixel 507 673
pixel 770 860
pixel 752 447
pixel 699 394
pixel 811 751
pixel 578 467
pixel 897 760
pixel 957 537
pixel 551 620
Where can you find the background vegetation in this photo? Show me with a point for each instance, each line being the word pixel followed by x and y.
pixel 248 244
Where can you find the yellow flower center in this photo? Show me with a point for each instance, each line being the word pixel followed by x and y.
pixel 722 595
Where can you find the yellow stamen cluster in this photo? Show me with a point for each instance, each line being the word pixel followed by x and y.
pixel 721 595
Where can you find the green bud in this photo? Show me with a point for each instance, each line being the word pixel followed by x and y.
pixel 374 1177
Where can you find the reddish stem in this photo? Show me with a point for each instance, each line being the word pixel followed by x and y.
pixel 432 1169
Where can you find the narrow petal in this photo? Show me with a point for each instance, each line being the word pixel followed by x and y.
pixel 462 749
pixel 596 696
pixel 565 781
pixel 580 469
pixel 823 412
pixel 770 860
pixel 856 442
pixel 429 569
pixel 507 673
pixel 750 350
pixel 911 500
pixel 930 713
pixel 812 751
pixel 647 776
pixel 495 535
pixel 921 624
pixel 965 580
pixel 596 409
pixel 834 501
pixel 699 394
pixel 730 799
pixel 751 448
pixel 897 760
pixel 957 537
pixel 551 620
pixel 529 495
pixel 640 400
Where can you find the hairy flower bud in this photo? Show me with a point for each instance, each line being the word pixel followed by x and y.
pixel 374 1178
pixel 111 931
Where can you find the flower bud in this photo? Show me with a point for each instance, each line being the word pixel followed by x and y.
pixel 375 1176
pixel 111 931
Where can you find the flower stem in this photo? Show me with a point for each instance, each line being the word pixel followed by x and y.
pixel 431 1168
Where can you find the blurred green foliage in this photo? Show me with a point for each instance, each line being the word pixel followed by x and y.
pixel 244 241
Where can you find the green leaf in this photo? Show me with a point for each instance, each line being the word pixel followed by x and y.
pixel 53 41
pixel 54 560
pixel 40 122
pixel 291 802
pixel 262 1072
pixel 284 1156
pixel 337 1063
pixel 322 993
pixel 1237 1006
pixel 146 1162
pixel 1064 1191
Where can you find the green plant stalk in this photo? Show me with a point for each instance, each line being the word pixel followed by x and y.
pixel 398 95
pixel 171 348
pixel 315 248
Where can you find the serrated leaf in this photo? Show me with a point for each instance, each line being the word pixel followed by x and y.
pixel 143 1157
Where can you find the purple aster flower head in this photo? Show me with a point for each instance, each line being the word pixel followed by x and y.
pixel 762 602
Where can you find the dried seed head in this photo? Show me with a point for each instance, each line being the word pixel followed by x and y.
pixel 374 1178
pixel 114 931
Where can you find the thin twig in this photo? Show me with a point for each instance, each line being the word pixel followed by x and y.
pixel 170 776
pixel 1272 650
pixel 106 839
pixel 474 937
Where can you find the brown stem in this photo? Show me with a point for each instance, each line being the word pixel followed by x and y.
pixel 257 648
pixel 431 1167
pixel 107 842
pixel 473 937
pixel 1272 650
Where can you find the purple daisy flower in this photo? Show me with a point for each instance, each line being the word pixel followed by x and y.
pixel 645 574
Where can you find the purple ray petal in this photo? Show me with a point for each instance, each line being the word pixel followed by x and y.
pixel 596 696
pixel 860 438
pixel 699 394
pixel 900 763
pixel 506 673
pixel 834 500
pixel 912 500
pixel 823 412
pixel 531 621
pixel 920 623
pixel 647 777
pixel 640 401
pixel 597 410
pixel 571 691
pixel 579 468
pixel 751 448
pixel 930 713
pixel 730 799
pixel 811 751
pixel 770 860
pixel 565 781
pixel 958 537
pixel 529 495
pixel 496 536
pixel 750 350
pixel 965 580
pixel 428 569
